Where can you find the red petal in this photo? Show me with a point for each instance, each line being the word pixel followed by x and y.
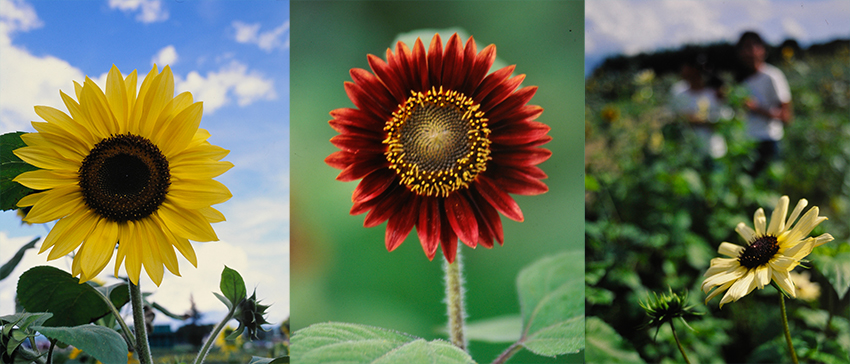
pixel 523 113
pixel 489 223
pixel 435 61
pixel 373 185
pixel 511 104
pixel 462 219
pixel 399 226
pixel 491 81
pixel 501 92
pixel 468 62
pixel 388 203
pixel 358 144
pixel 420 66
pixel 428 226
pixel 352 130
pixel 519 133
pixel 358 117
pixel 385 74
pixel 340 159
pixel 374 88
pixel 364 102
pixel 361 169
pixel 405 68
pixel 453 64
pixel 482 64
pixel 514 180
pixel 448 240
pixel 498 198
pixel 520 156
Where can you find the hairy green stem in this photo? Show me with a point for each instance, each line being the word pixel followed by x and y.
pixel 679 344
pixel 128 335
pixel 143 350
pixel 787 330
pixel 202 355
pixel 455 301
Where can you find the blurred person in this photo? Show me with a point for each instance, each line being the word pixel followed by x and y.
pixel 701 105
pixel 769 103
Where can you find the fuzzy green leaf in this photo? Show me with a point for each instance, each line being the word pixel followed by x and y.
pixel 119 294
pixel 232 286
pixel 100 342
pixel 10 167
pixel 551 295
pixel 7 268
pixel 504 329
pixel 352 343
pixel 49 289
pixel 259 360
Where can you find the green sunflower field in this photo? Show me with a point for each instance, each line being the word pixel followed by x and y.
pixel 657 210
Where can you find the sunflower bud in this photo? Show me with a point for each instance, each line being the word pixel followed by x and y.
pixel 249 313
pixel 667 306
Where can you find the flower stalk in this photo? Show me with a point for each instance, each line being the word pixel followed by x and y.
pixel 678 343
pixel 455 301
pixel 785 327
pixel 202 355
pixel 143 350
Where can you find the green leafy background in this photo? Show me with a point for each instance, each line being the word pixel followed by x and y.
pixel 341 271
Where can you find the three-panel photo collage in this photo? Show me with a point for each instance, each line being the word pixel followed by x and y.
pixel 492 181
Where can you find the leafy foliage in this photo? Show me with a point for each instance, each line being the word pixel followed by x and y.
pixel 657 209
pixel 10 167
pixel 49 289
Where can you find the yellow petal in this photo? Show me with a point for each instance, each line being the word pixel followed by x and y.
pixel 69 232
pixel 98 247
pixel 199 169
pixel 116 95
pixel 196 194
pixel 46 159
pixel 178 132
pixel 45 179
pixel 53 137
pixel 150 253
pixel 777 219
pixel 214 215
pixel 186 223
pixel 759 221
pixel 57 203
pixel 96 106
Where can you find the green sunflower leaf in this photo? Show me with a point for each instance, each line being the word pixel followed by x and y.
pixel 259 360
pixel 119 294
pixel 49 289
pixel 232 286
pixel 7 268
pixel 834 263
pixel 352 343
pixel 604 345
pixel 10 167
pixel 102 343
pixel 551 295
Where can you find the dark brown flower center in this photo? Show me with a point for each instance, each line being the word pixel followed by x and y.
pixel 759 252
pixel 125 177
pixel 438 142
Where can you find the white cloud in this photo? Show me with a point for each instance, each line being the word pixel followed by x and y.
pixel 27 80
pixel 150 11
pixel 234 80
pixel 165 56
pixel 267 41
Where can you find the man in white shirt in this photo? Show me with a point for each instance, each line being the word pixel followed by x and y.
pixel 769 103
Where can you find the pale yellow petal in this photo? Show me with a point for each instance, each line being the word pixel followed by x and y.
pixel 759 221
pixel 730 250
pixel 721 264
pixel 740 288
pixel 798 209
pixel 746 232
pixel 783 279
pixel 777 219
pixel 718 291
pixel 762 275
pixel 822 239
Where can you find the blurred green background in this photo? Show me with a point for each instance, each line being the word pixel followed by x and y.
pixel 341 271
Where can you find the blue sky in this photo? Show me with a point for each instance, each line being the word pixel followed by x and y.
pixel 233 56
pixel 633 26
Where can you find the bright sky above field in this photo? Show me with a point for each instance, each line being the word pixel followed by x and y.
pixel 633 26
pixel 233 56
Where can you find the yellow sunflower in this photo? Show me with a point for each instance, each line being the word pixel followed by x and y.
pixel 771 253
pixel 127 169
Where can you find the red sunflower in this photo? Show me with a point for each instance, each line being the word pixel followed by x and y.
pixel 439 144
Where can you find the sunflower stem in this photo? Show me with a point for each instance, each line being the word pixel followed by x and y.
pixel 143 349
pixel 508 353
pixel 678 343
pixel 455 301
pixel 202 355
pixel 128 335
pixel 785 326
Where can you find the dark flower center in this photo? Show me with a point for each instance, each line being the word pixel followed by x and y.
pixel 759 252
pixel 125 177
pixel 437 142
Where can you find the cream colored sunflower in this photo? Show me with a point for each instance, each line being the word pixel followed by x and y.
pixel 126 169
pixel 771 253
